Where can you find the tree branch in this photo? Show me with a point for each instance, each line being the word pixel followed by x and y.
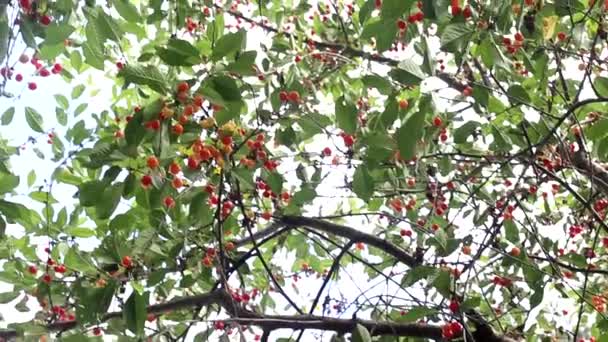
pixel 352 234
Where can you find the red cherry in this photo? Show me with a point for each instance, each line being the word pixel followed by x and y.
pixel 169 202
pixel 178 129
pixel 207 261
pixel 44 72
pixel 227 140
pixel 19 78
pixel 97 331
pixel 294 96
pixel 174 168
pixel 219 325
pixel 515 252
pixel 466 13
pixel 326 152
pixel 401 24
pixel 32 269
pixel 403 104
pixel 127 262
pixel 119 134
pixel 57 68
pixel 60 269
pixel 151 317
pixel 119 65
pixel 467 91
pixel 266 215
pixel 45 20
pixel 283 96
pixel 348 140
pixel 298 58
pixel 146 181
pixel 454 305
pixel 177 183
pixel 411 182
pixel 32 86
pixel 152 162
pixel 456 10
pixel 183 87
pixel 229 246
pixel 506 41
pixel 192 163
pixel 47 278
pixel 519 37
pixel 437 122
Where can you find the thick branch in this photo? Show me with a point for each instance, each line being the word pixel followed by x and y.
pixel 352 234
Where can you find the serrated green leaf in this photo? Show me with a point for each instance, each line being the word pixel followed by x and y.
pixel 346 115
pixel 7 116
pixel 363 183
pixel 228 44
pixel 34 119
pixel 127 10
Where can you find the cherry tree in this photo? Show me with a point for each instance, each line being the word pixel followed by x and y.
pixel 337 170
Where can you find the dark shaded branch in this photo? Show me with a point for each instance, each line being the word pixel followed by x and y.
pixel 352 234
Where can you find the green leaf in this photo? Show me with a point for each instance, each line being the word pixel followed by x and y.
pixel 62 101
pixel 107 203
pixel 517 94
pixel 601 85
pixel 93 55
pixel 363 183
pixel 417 313
pixel 463 132
pixel 77 91
pixel 80 232
pixel 346 115
pixel 5 32
pixel 380 83
pixel 511 231
pixel 80 109
pixel 275 180
pixel 107 27
pixel 361 334
pixel 62 116
pixel 6 297
pixel 31 178
pixel 393 9
pixel 409 134
pixel 228 44
pixel 134 312
pixel 144 75
pixel 179 53
pixel 7 116
pixel 58 33
pixel 34 119
pixel 127 10
pixel 408 73
pixel 455 37
pixel 8 182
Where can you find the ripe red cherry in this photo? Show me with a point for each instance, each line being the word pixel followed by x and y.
pixel 169 202
pixel 283 96
pixel 561 36
pixel 207 261
pixel 32 86
pixel 411 182
pixel 466 13
pixel 119 65
pixel 146 181
pixel 219 325
pixel 298 59
pixel 192 163
pixel 401 24
pixel 151 317
pixel 326 152
pixel 177 183
pixel 437 122
pixel 183 87
pixel 348 140
pixel 126 262
pixel 266 215
pixel 152 162
pixel 454 305
pixel 60 269
pixel 97 331
pixel 515 252
pixel 403 104
pixel 19 78
pixel 468 91
pixel 45 20
pixel 178 129
pixel 32 269
pixel 519 37
pixel 44 72
pixel 47 278
pixel 294 96
pixel 174 168
pixel 456 10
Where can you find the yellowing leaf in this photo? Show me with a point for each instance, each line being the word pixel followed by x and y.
pixel 549 24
